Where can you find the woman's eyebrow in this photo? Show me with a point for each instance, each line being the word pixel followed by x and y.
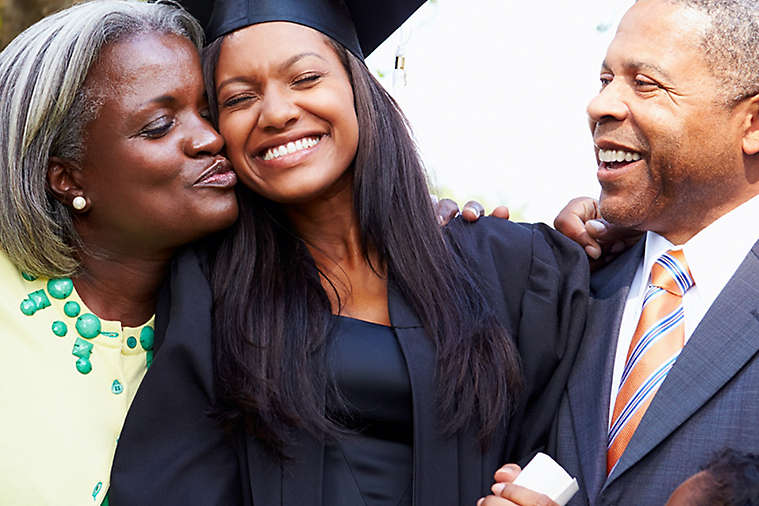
pixel 282 67
pixel 295 59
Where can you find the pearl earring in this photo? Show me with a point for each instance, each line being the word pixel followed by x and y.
pixel 79 203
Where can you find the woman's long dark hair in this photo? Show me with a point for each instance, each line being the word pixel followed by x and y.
pixel 272 317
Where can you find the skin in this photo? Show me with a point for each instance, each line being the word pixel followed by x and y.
pixel 666 105
pixel 141 174
pixel 448 209
pixel 581 221
pixel 268 99
pixel 505 493
pixel 671 118
pixel 690 491
pixel 697 154
pixel 292 85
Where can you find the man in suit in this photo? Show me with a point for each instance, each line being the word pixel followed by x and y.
pixel 668 373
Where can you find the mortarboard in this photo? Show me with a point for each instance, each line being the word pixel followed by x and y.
pixel 359 25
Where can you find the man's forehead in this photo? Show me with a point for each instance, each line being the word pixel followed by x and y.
pixel 664 21
pixel 656 35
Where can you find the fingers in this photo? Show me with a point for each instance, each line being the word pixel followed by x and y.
pixel 507 473
pixel 492 500
pixel 472 211
pixel 524 496
pixel 572 220
pixel 596 228
pixel 616 238
pixel 501 212
pixel 515 494
pixel 580 208
pixel 447 209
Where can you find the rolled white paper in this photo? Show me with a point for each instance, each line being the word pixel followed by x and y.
pixel 544 475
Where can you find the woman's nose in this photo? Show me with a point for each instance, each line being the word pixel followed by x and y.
pixel 204 139
pixel 278 110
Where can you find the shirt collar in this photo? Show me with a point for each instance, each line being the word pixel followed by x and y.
pixel 716 252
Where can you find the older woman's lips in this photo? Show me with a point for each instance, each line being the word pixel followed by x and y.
pixel 218 175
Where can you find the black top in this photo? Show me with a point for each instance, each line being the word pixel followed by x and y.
pixel 172 453
pixel 373 465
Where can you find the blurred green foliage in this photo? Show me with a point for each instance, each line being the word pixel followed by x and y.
pixel 16 15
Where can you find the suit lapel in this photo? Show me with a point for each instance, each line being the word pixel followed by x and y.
pixel 435 457
pixel 728 331
pixel 589 386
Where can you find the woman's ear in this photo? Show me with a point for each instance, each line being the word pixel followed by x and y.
pixel 751 131
pixel 64 179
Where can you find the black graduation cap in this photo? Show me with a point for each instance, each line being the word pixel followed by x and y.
pixel 359 25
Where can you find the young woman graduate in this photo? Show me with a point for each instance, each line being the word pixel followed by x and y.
pixel 360 354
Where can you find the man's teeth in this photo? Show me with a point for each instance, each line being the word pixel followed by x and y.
pixel 610 155
pixel 291 147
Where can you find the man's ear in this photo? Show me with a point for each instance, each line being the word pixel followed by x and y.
pixel 64 180
pixel 751 127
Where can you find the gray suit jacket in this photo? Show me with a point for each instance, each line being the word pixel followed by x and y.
pixel 709 400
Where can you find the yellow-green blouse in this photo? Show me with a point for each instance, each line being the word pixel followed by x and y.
pixel 67 379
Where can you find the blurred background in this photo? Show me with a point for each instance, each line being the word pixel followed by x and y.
pixel 495 91
pixel 15 15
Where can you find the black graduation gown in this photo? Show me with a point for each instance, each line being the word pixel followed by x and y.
pixel 172 453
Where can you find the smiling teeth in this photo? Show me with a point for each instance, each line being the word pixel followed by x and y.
pixel 610 155
pixel 291 147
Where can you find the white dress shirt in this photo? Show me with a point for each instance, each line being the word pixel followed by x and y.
pixel 713 255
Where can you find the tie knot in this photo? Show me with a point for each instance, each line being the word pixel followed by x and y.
pixel 671 273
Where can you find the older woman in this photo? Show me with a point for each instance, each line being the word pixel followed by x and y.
pixel 107 166
pixel 360 356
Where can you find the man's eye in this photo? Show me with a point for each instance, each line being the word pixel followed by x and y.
pixel 645 84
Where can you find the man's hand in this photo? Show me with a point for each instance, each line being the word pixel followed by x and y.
pixel 505 493
pixel 581 221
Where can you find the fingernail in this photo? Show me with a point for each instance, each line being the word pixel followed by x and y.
pixel 597 226
pixel 471 210
pixel 479 501
pixel 497 488
pixel 593 252
pixel 512 469
pixel 440 220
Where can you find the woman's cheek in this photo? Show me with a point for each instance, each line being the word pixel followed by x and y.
pixel 234 130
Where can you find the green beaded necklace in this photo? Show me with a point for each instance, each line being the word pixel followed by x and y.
pixel 87 325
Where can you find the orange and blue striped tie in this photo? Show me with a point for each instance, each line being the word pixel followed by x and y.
pixel 656 344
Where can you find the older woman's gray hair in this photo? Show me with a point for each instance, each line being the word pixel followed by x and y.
pixel 45 105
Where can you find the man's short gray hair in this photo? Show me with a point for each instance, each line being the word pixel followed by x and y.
pixel 731 44
pixel 45 105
